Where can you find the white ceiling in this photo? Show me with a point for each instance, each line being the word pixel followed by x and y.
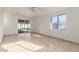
pixel 27 11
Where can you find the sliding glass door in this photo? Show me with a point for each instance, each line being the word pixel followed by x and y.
pixel 24 26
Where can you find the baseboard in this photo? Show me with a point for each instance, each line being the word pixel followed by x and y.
pixel 56 38
pixel 10 34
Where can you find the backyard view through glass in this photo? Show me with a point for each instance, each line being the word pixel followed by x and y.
pixel 24 26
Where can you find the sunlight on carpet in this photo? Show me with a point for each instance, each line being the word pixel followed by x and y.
pixel 22 46
pixel 29 45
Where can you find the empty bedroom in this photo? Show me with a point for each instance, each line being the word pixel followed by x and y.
pixel 39 29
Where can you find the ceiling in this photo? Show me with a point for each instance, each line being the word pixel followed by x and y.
pixel 33 11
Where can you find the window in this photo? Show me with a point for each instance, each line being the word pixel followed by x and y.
pixel 59 22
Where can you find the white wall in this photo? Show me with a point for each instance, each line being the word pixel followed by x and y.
pixel 10 23
pixel 22 17
pixel 1 25
pixel 41 24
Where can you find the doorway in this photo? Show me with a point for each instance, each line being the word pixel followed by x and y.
pixel 24 26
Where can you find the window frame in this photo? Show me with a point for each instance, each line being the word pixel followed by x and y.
pixel 58 21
